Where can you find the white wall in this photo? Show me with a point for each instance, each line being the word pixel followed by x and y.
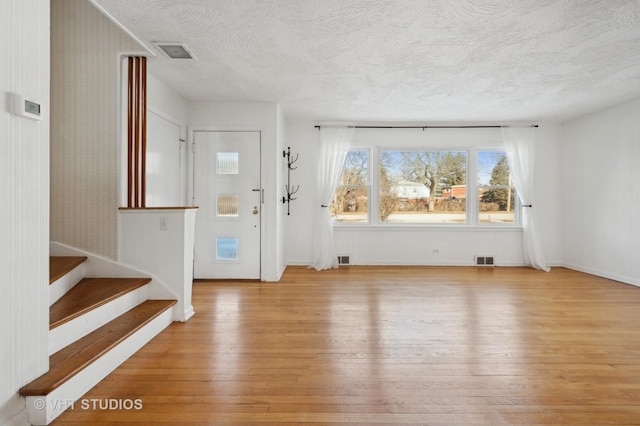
pixel 164 101
pixel 601 193
pixel 85 150
pixel 414 244
pixel 265 117
pixel 24 210
pixel 548 191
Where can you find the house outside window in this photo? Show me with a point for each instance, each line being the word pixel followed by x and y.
pixel 419 180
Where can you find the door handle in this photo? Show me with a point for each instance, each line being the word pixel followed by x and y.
pixel 261 194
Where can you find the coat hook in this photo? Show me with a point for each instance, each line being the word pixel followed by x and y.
pixel 290 163
pixel 290 193
pixel 288 188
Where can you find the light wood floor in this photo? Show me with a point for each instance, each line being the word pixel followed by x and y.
pixel 410 345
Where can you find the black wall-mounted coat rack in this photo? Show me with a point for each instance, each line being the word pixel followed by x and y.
pixel 288 188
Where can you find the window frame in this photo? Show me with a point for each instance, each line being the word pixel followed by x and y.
pixel 472 190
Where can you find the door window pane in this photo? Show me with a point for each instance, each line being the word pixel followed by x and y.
pixel 226 248
pixel 227 163
pixel 227 205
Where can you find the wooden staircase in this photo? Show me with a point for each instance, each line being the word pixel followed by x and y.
pixel 95 324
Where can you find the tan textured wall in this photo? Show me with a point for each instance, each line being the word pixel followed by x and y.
pixel 24 203
pixel 85 88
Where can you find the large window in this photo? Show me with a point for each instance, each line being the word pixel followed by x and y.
pixel 420 186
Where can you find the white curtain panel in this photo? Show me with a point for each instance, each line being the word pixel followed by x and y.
pixel 334 147
pixel 520 148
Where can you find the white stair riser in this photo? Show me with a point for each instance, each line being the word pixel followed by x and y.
pixel 70 392
pixel 58 288
pixel 73 330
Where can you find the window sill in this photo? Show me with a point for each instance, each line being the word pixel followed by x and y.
pixel 426 227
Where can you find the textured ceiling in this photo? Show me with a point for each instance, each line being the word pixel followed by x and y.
pixel 395 60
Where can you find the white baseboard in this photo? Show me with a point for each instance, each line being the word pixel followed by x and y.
pixel 386 262
pixel 188 313
pixel 20 419
pixel 604 274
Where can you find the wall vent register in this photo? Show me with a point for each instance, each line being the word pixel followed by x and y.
pixel 484 261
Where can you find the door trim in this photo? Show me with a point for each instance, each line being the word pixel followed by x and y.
pixel 191 181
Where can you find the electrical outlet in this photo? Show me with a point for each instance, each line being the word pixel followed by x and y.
pixel 163 223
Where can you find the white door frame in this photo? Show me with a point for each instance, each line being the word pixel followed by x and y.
pixel 190 178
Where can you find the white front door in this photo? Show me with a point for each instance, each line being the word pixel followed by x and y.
pixel 226 188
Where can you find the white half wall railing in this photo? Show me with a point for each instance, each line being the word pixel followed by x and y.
pixel 161 240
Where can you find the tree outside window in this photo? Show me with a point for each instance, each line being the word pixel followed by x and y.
pixel 417 186
pixel 351 201
pixel 496 194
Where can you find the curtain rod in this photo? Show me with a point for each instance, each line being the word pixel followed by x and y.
pixel 428 127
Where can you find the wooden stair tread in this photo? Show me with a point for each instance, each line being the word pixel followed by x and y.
pixel 70 360
pixel 89 294
pixel 60 265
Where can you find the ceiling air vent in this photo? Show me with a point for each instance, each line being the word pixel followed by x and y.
pixel 174 50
